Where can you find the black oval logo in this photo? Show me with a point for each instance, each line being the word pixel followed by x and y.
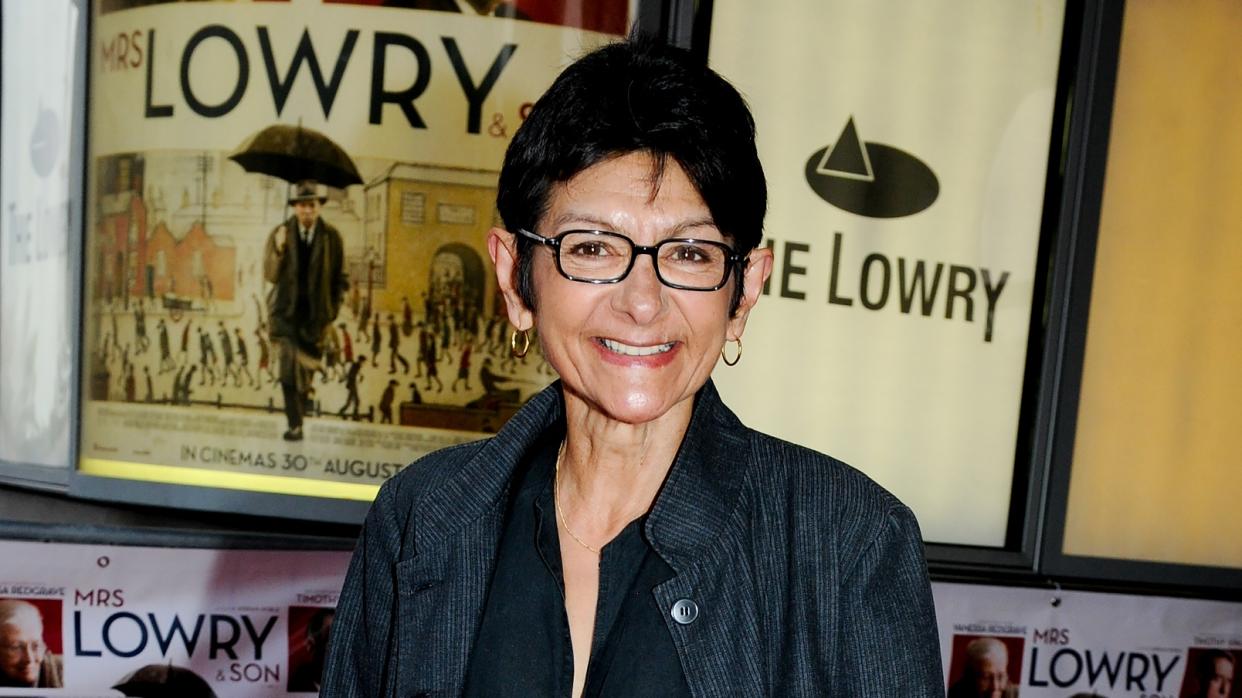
pixel 871 179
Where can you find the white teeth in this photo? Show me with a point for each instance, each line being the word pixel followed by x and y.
pixel 627 350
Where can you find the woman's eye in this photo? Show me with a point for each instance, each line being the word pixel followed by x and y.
pixel 591 249
pixel 690 254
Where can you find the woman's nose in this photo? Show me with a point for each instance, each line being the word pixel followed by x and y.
pixel 641 294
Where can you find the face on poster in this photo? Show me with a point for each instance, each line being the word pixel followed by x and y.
pixel 36 345
pixel 288 286
pixel 905 146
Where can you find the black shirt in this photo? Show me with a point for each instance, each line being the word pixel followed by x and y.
pixel 523 646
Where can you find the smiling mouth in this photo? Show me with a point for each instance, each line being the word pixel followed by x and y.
pixel 629 350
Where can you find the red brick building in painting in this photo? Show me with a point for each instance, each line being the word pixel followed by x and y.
pixel 131 258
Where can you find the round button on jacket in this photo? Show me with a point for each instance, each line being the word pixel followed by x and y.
pixel 685 611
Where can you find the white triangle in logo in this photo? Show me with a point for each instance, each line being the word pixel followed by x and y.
pixel 847 158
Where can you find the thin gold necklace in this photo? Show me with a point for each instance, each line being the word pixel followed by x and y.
pixel 556 495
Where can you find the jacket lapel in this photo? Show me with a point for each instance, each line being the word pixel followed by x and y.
pixel 442 592
pixel 687 527
pixel 457 530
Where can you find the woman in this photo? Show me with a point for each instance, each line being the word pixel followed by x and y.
pixel 1214 675
pixel 624 534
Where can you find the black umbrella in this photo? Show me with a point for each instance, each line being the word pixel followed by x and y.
pixel 158 680
pixel 295 153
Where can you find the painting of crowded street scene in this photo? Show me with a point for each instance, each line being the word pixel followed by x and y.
pixel 192 310
pixel 182 305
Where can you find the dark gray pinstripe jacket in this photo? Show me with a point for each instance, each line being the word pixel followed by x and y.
pixel 809 578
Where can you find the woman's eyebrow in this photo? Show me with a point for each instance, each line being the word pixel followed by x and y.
pixel 579 217
pixel 704 222
pixel 601 223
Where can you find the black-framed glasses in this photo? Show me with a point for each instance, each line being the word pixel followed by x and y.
pixel 600 257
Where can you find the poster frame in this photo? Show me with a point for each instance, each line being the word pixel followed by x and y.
pixel 189 535
pixel 35 475
pixel 665 19
pixel 1081 44
pixel 1081 224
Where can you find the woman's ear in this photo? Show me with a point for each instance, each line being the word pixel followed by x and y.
pixel 502 246
pixel 758 269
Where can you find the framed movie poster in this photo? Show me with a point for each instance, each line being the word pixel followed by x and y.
pixel 1044 643
pixel 906 146
pixel 287 287
pixel 40 212
pixel 99 620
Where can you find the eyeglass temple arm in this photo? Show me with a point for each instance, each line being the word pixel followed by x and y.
pixel 534 236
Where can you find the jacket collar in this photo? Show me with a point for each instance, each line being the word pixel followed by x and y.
pixel 703 485
pixel 478 485
pixel 692 506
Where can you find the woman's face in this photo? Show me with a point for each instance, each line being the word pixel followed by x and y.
pixel 636 349
pixel 1221 682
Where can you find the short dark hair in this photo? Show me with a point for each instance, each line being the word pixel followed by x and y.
pixel 1205 667
pixel 632 96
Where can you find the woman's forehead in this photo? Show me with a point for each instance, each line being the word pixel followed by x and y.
pixel 638 174
pixel 628 192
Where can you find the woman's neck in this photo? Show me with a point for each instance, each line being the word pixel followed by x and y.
pixel 611 471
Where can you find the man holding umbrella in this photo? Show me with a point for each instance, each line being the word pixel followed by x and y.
pixel 304 260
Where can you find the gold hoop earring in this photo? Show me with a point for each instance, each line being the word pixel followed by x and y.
pixel 513 343
pixel 736 358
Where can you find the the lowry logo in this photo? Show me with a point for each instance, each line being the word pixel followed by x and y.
pixel 871 179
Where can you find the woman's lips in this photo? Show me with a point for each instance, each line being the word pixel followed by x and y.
pixel 624 354
pixel 633 350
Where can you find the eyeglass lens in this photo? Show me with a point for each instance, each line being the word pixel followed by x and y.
pixel 603 256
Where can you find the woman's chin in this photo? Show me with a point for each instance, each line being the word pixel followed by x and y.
pixel 638 406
